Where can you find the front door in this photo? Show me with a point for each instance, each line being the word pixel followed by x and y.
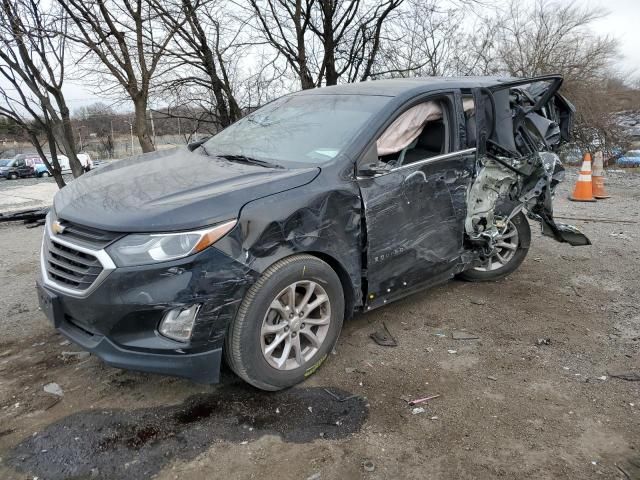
pixel 414 212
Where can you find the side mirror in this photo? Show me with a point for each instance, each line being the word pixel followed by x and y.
pixel 193 145
pixel 373 169
pixel 370 165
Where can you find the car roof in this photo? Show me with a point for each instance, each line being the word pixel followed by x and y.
pixel 399 86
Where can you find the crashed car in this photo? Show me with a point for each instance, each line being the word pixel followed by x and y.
pixel 257 243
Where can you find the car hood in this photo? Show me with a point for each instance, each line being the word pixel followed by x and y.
pixel 170 190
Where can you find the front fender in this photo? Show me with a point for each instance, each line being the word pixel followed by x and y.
pixel 308 219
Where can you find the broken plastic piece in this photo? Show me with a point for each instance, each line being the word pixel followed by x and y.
pixel 628 376
pixel 422 400
pixel 383 337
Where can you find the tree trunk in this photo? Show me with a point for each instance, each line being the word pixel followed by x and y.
pixel 331 75
pixel 54 165
pixel 306 81
pixel 140 122
pixel 68 141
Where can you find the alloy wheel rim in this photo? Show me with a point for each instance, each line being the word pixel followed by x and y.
pixel 295 325
pixel 506 248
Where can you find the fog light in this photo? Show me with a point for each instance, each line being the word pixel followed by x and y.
pixel 177 324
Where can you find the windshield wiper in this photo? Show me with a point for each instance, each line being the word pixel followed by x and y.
pixel 250 160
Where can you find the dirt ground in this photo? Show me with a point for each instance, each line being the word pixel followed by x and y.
pixel 508 407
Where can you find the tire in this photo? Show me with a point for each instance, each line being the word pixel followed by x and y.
pixel 12 176
pixel 483 274
pixel 49 174
pixel 258 325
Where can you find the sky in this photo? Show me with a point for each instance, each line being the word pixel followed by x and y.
pixel 622 23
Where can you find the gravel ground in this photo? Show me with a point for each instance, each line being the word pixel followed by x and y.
pixel 20 182
pixel 508 406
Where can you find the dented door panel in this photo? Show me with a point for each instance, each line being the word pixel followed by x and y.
pixel 414 224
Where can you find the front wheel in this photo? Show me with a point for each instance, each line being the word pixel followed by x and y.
pixel 511 249
pixel 287 323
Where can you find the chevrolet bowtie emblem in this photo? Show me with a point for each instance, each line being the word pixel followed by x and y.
pixel 58 228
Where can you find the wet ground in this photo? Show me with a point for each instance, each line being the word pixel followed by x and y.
pixel 133 444
pixel 531 397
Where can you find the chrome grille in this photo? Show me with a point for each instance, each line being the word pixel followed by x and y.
pixel 71 267
pixel 68 262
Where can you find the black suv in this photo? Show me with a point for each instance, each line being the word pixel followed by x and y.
pixel 19 166
pixel 257 243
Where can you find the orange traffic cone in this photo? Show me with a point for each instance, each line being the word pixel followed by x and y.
pixel 598 177
pixel 583 191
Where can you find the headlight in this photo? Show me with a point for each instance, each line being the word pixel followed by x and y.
pixel 142 249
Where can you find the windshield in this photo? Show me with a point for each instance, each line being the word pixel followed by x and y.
pixel 633 153
pixel 4 162
pixel 297 130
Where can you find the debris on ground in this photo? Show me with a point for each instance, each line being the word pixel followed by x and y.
pixel 452 351
pixel 30 216
pixel 478 301
pixel 338 398
pixel 620 235
pixel 368 466
pixel 422 400
pixel 628 376
pixel 383 337
pixel 459 335
pixel 76 355
pixel 417 410
pixel 54 389
pixel 350 370
pixel 543 341
pixel 491 377
pixel 315 476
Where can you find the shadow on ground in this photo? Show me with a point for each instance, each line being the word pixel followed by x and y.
pixel 139 443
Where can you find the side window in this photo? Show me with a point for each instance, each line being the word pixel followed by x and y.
pixel 19 163
pixel 419 133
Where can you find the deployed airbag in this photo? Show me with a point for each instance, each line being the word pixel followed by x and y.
pixel 407 127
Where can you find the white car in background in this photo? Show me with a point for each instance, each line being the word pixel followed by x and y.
pixel 41 169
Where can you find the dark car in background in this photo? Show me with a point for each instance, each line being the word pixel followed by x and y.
pixel 256 244
pixel 20 166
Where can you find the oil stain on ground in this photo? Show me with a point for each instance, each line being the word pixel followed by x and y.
pixel 138 443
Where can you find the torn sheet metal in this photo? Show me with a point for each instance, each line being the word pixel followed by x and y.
pixel 512 179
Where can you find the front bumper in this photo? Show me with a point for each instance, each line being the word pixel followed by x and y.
pixel 118 321
pixel 203 367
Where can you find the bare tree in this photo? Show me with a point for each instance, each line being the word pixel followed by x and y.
pixel 423 40
pixel 32 52
pixel 554 37
pixel 202 52
pixel 324 41
pixel 127 42
pixel 32 119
